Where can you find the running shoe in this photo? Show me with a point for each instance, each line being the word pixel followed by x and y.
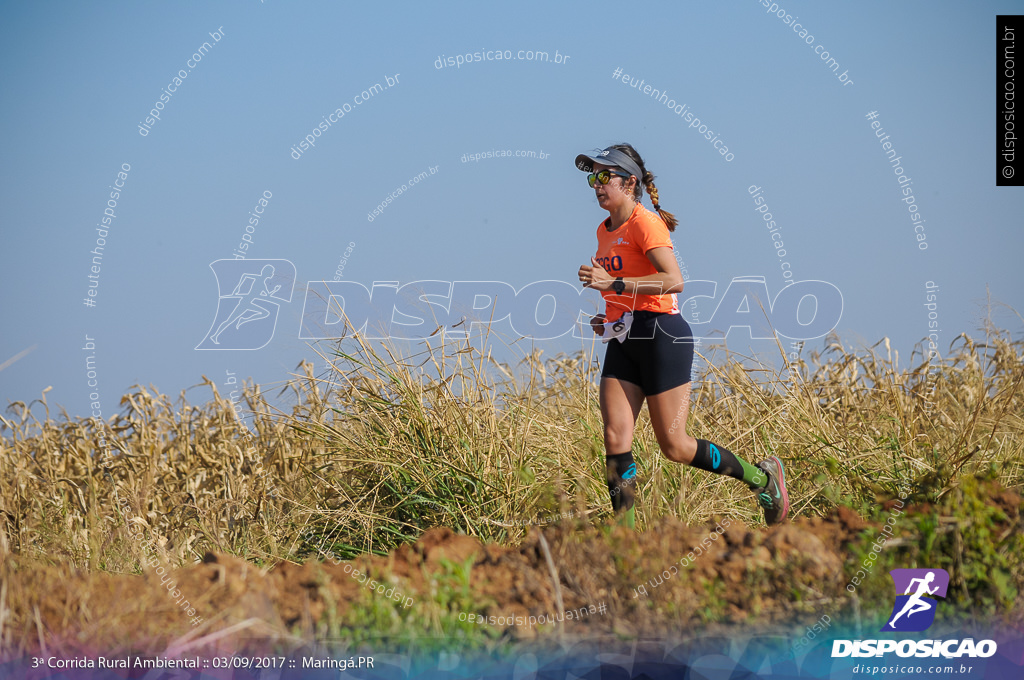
pixel 773 496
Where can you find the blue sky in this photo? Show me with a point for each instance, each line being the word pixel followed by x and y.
pixel 79 80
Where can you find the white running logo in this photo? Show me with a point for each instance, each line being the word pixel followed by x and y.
pixel 915 604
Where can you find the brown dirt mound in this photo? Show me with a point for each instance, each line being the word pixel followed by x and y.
pixel 774 575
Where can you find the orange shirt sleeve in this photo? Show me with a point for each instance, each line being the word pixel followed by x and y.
pixel 651 232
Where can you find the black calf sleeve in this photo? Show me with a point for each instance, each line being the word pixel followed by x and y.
pixel 722 461
pixel 620 471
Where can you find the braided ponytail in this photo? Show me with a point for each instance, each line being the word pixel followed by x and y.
pixel 668 218
pixel 647 181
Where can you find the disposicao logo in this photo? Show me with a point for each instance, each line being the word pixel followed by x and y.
pixel 913 612
pixel 257 288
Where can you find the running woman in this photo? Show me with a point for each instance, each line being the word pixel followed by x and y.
pixel 650 345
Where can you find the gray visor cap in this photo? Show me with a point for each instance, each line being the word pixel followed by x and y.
pixel 609 156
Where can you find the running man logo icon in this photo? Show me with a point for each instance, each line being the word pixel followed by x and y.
pixel 247 315
pixel 913 611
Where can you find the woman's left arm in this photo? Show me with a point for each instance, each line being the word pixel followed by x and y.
pixel 668 279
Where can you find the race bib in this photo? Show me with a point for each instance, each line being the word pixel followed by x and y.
pixel 618 328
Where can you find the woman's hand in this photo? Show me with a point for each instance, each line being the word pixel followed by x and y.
pixel 597 323
pixel 595 277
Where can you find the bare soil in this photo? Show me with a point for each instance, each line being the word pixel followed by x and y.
pixel 775 575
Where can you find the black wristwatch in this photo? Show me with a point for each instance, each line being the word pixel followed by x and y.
pixel 619 286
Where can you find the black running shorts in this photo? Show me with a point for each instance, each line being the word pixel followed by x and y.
pixel 657 354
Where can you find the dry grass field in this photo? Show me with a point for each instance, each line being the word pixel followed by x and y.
pixel 382 450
